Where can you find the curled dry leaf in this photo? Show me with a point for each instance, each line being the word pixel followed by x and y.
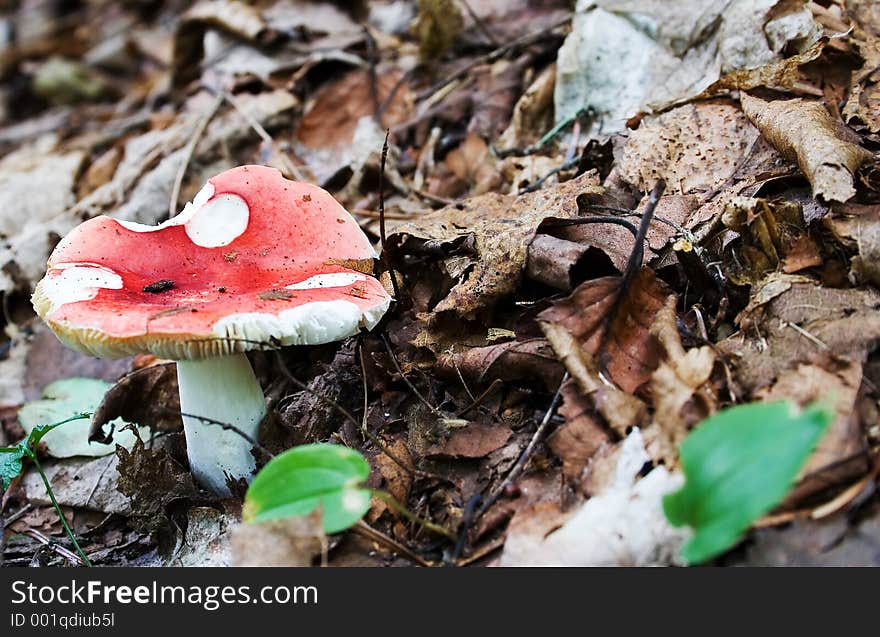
pixel 781 74
pixel 767 231
pixel 804 132
pixel 501 227
pixel 680 388
pixel 148 396
pixel 593 317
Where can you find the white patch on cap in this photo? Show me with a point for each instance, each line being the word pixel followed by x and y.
pixel 72 282
pixel 209 221
pixel 219 222
pixel 309 324
pixel 329 280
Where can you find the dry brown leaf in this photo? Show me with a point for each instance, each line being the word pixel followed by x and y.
pixel 680 388
pixel 501 226
pixel 804 132
pixel 629 351
pixel 838 385
pixel 472 163
pixel 791 320
pixel 694 148
pixel 292 541
pixel 148 396
pixel 326 133
pixel 476 440
pixel 858 227
pixel 531 359
pixel 580 437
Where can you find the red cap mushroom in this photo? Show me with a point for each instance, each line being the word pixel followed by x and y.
pixel 253 260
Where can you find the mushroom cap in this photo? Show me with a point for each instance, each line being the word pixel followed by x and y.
pixel 254 260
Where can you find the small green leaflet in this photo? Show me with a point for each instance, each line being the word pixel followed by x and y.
pixel 10 465
pixel 300 479
pixel 738 465
pixel 11 457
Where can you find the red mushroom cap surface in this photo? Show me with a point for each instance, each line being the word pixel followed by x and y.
pixel 255 258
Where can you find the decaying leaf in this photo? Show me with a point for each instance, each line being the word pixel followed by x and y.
pixel 500 227
pixel 82 483
pixel 148 396
pixel 793 320
pixel 694 148
pixel 804 132
pixel 629 353
pixel 837 386
pixel 153 480
pixel 293 541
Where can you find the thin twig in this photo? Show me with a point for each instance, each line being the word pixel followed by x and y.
pixel 476 402
pixel 385 259
pixel 478 21
pixel 188 153
pixel 365 530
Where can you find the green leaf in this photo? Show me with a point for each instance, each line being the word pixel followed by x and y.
pixel 298 480
pixel 10 465
pixel 62 400
pixel 738 465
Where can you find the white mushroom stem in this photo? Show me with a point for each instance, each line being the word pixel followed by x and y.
pixel 223 389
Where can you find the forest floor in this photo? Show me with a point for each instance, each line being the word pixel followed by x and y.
pixel 540 360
